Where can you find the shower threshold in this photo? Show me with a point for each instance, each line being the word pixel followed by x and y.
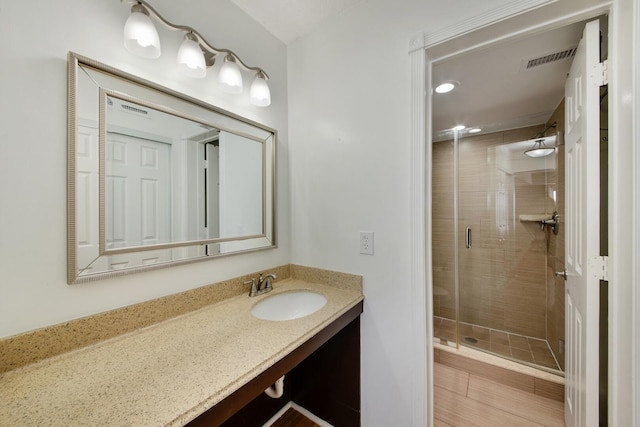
pixel 530 351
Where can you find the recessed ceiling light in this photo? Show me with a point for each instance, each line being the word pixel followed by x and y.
pixel 475 130
pixel 446 87
pixel 459 127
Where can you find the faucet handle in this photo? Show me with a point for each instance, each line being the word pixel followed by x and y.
pixel 254 289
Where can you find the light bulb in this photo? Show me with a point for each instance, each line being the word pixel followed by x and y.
pixel 190 58
pixel 140 35
pixel 229 77
pixel 259 92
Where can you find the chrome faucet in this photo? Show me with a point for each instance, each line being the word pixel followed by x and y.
pixel 262 285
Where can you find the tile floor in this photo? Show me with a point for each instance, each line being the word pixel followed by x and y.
pixel 517 347
pixel 465 399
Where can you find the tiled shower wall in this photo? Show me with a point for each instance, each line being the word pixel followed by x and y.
pixel 503 277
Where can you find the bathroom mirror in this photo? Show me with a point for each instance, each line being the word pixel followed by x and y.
pixel 157 178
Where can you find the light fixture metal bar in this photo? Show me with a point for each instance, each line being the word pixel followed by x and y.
pixel 210 51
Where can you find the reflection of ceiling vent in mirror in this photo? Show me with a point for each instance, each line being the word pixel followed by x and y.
pixel 552 57
pixel 135 110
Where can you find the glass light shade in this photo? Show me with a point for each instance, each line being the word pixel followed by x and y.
pixel 539 149
pixel 191 59
pixel 140 35
pixel 230 77
pixel 259 92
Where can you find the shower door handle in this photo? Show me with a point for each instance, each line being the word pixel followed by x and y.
pixel 468 237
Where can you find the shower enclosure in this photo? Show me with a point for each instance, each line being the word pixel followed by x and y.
pixel 497 239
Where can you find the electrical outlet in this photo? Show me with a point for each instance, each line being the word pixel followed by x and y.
pixel 366 242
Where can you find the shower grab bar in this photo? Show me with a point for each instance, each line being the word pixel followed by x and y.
pixel 468 238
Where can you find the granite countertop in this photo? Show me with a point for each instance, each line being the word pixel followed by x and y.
pixel 165 374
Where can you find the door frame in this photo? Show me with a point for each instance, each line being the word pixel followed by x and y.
pixel 512 20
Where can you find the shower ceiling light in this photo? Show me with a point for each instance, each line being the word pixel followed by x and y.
pixel 445 87
pixel 539 149
pixel 195 53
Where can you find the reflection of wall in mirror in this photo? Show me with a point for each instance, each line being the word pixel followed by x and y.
pixel 241 196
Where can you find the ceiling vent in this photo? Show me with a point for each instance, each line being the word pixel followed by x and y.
pixel 552 57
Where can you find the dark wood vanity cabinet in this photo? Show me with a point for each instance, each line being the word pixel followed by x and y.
pixel 322 376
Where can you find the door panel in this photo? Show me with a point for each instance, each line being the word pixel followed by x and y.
pixel 138 196
pixel 582 148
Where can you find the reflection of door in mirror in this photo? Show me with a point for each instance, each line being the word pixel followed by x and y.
pixel 87 198
pixel 138 199
pixel 211 151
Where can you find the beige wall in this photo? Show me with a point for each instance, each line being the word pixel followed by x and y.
pixel 503 283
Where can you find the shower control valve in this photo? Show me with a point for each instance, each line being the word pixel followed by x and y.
pixel 562 274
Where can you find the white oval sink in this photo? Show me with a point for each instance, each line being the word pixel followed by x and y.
pixel 288 305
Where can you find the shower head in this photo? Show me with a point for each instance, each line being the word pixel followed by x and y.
pixel 540 147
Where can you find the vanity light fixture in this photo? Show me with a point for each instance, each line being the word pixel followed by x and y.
pixel 194 55
pixel 459 127
pixel 259 92
pixel 230 77
pixel 475 130
pixel 190 57
pixel 140 35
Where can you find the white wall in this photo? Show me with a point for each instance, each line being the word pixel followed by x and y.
pixel 36 38
pixel 349 124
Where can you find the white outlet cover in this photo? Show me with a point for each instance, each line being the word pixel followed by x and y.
pixel 366 242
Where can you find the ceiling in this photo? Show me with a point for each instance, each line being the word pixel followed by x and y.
pixel 290 19
pixel 496 91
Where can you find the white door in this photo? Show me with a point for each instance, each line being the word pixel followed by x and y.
pixel 87 212
pixel 582 180
pixel 138 195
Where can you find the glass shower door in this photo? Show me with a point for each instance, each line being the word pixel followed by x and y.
pixel 503 197
pixel 486 200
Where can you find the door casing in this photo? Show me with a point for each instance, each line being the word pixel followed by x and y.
pixel 427 48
